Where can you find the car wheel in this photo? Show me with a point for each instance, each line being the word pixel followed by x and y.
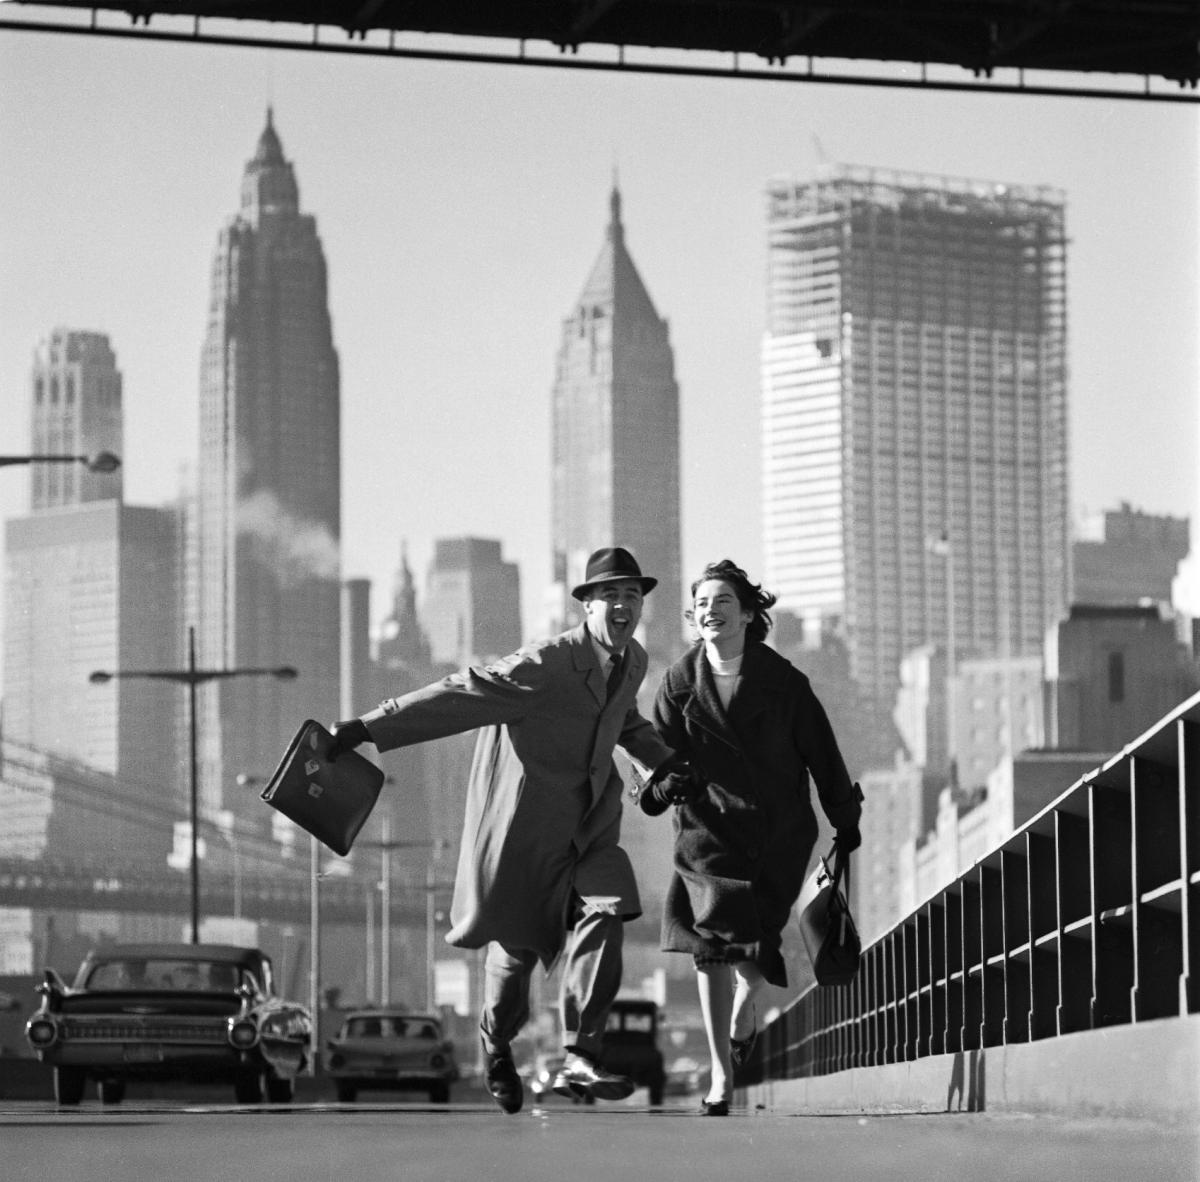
pixel 280 1091
pixel 68 1084
pixel 439 1092
pixel 112 1091
pixel 248 1087
pixel 346 1092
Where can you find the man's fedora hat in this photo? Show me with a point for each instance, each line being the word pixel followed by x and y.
pixel 610 565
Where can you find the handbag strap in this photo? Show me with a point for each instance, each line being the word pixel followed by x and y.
pixel 841 868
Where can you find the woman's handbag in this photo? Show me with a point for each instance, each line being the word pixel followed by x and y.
pixel 826 924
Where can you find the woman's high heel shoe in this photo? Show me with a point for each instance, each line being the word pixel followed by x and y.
pixel 714 1107
pixel 740 1048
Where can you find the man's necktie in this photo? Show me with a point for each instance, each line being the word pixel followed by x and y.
pixel 616 671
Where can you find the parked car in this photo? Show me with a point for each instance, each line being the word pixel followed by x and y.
pixel 631 1045
pixel 390 1049
pixel 686 1077
pixel 187 1012
pixel 541 1078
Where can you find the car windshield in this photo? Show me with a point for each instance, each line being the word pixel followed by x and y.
pixel 139 974
pixel 389 1026
pixel 631 1021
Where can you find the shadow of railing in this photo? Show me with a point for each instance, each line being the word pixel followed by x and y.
pixel 1087 916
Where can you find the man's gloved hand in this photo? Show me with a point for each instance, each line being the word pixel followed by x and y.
pixel 848 839
pixel 346 736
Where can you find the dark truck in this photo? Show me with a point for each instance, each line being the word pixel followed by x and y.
pixel 631 1045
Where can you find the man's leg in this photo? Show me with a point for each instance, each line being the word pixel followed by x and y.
pixel 590 982
pixel 506 974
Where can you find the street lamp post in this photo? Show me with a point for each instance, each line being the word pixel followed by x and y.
pixel 192 677
pixel 385 846
pixel 102 461
pixel 943 547
pixel 226 823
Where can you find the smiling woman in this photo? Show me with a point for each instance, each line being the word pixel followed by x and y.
pixel 752 731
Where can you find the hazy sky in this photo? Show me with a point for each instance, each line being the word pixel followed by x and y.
pixel 461 208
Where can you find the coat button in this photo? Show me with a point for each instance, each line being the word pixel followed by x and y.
pixel 752 853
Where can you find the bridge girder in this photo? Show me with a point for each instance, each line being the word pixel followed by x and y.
pixel 1127 39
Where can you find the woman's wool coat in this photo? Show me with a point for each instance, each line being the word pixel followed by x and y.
pixel 743 842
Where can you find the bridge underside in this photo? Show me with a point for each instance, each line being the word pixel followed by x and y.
pixel 980 40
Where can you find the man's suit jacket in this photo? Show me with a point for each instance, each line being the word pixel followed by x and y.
pixel 543 812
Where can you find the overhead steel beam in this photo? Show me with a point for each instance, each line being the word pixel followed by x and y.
pixel 917 76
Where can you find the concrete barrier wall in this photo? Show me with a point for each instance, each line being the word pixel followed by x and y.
pixel 1148 1071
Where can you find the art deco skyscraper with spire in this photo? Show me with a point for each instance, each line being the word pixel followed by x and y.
pixel 616 437
pixel 266 560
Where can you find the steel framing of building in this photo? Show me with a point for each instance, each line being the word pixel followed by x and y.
pixel 914 388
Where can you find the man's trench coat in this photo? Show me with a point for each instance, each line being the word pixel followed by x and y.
pixel 543 813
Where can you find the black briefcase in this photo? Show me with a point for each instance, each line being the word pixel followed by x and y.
pixel 331 799
pixel 826 924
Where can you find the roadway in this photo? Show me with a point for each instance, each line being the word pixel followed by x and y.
pixel 475 1142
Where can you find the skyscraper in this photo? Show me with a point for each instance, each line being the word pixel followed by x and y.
pixel 1136 558
pixel 615 445
pixel 76 411
pixel 89 583
pixel 915 414
pixel 267 568
pixel 472 608
pixel 403 643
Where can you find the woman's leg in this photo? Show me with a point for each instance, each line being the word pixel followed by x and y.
pixel 715 986
pixel 748 982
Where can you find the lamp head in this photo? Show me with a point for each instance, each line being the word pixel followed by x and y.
pixel 103 461
pixel 100 677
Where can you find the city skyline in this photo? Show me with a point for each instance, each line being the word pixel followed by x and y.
pixel 473 225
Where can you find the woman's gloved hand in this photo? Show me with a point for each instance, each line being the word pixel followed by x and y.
pixel 676 788
pixel 848 839
pixel 346 736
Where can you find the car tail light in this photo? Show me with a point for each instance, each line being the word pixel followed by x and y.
pixel 437 1061
pixel 243 1034
pixel 41 1032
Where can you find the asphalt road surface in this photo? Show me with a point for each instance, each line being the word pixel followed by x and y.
pixel 183 1142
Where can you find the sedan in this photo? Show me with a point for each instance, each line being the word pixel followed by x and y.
pixel 391 1049
pixel 186 1012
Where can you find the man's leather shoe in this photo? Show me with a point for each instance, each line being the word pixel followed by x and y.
pixel 580 1078
pixel 503 1082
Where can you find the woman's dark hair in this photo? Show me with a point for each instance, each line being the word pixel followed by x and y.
pixel 751 596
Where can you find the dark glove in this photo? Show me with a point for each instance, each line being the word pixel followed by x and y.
pixel 848 839
pixel 674 783
pixel 346 736
pixel 675 789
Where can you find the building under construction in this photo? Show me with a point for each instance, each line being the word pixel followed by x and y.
pixel 915 415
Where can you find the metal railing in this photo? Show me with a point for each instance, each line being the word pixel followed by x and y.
pixel 1087 916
